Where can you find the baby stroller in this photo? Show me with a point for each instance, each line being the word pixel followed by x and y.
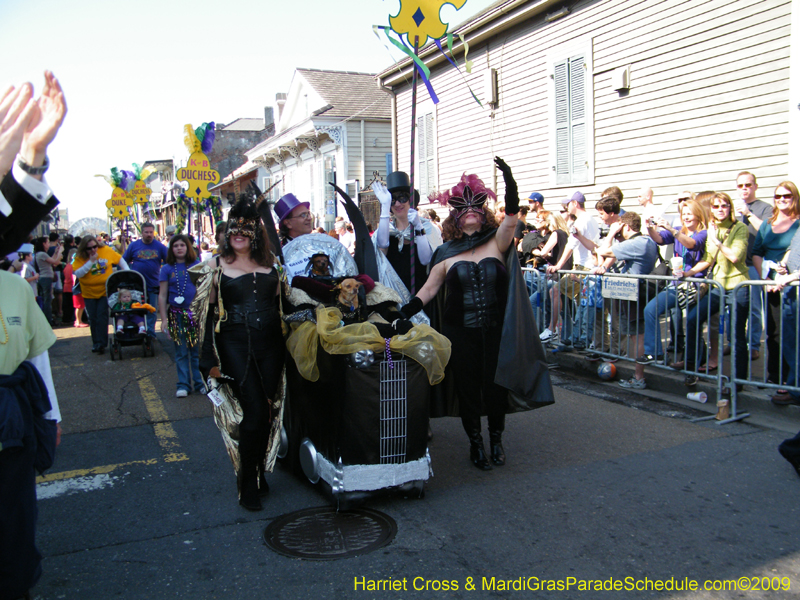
pixel 129 336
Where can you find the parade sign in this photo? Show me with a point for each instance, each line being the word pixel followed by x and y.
pixel 198 174
pixel 418 19
pixel 621 288
pixel 141 192
pixel 120 203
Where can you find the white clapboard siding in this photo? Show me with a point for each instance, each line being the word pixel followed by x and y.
pixel 709 97
pixel 374 155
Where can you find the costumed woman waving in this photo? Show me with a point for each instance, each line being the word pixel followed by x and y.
pixel 243 346
pixel 497 364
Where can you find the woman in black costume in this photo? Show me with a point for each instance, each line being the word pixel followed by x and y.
pixel 244 345
pixel 485 316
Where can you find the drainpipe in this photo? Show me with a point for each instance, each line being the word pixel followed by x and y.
pixel 363 152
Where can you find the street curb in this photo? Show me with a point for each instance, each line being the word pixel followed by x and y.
pixel 667 381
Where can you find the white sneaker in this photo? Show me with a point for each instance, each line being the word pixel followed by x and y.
pixel 633 383
pixel 142 330
pixel 181 393
pixel 546 335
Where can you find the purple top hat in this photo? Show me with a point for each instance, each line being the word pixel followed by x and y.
pixel 287 203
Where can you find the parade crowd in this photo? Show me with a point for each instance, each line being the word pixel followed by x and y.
pixel 474 281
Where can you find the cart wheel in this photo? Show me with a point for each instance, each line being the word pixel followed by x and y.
pixel 111 352
pixel 292 433
pixel 152 347
pixel 144 349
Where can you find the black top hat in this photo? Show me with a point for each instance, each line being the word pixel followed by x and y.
pixel 398 181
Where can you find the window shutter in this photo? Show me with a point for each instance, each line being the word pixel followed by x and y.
pixel 425 172
pixel 577 97
pixel 562 123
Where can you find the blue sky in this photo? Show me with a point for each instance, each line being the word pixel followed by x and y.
pixel 135 72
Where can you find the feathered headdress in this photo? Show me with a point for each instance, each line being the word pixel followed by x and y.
pixel 468 194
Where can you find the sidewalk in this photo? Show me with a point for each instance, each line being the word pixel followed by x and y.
pixel 666 385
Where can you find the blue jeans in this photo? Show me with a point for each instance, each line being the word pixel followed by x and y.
pixel 46 294
pixel 666 300
pixel 187 360
pixel 699 314
pixel 150 318
pixel 789 338
pixel 97 313
pixel 756 313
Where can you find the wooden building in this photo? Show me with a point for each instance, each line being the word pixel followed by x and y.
pixel 585 94
pixel 332 125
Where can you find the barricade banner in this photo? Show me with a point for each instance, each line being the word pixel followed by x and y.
pixel 621 288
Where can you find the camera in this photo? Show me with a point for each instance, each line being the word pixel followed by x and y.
pixel 572 230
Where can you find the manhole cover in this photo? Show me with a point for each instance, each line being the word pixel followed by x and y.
pixel 324 534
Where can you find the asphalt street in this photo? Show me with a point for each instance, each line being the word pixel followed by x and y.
pixel 603 488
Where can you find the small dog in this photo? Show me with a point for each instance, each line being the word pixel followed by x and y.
pixel 348 295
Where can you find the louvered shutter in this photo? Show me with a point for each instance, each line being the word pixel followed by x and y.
pixel 577 101
pixel 571 143
pixel 426 180
pixel 562 123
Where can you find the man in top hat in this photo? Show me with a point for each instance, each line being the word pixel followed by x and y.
pixel 399 224
pixel 294 218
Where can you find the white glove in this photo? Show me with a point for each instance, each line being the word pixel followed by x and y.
pixel 413 218
pixel 384 196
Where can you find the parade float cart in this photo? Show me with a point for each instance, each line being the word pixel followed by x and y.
pixel 356 413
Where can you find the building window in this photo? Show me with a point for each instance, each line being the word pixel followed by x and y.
pixel 572 102
pixel 426 173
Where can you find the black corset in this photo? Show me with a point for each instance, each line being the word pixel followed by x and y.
pixel 476 293
pixel 250 299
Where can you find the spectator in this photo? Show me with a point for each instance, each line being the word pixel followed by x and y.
pixel 752 212
pixel 725 260
pixel 535 204
pixel 638 254
pixel 769 249
pixel 790 449
pixel 27 272
pixel 583 236
pixel 205 252
pixel 45 264
pixel 28 128
pixel 58 287
pixel 92 265
pixel 552 231
pixel 689 248
pixel 608 211
pixel 434 218
pixel 146 256
pixel 647 207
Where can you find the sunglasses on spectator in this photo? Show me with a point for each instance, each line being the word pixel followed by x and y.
pixel 92 247
pixel 683 199
pixel 783 196
pixel 716 206
pixel 744 185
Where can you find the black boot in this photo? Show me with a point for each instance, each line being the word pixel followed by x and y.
pixel 477 454
pixel 496 448
pixel 248 473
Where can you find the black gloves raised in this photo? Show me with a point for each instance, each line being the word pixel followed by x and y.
pixel 512 193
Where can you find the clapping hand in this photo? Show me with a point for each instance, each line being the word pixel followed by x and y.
pixel 51 108
pixel 17 108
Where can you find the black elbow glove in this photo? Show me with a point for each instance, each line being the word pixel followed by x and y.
pixel 208 359
pixel 512 193
pixel 412 308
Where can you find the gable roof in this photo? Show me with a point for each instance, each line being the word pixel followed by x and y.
pixel 348 94
pixel 244 124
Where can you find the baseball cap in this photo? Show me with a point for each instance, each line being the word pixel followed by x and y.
pixel 577 197
pixel 536 197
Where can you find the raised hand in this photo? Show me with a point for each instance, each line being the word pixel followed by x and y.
pixel 384 196
pixel 512 193
pixel 51 108
pixel 17 108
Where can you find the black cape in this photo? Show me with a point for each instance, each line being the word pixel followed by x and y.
pixel 522 363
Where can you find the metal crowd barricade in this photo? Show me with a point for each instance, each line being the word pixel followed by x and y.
pixel 604 318
pixel 785 331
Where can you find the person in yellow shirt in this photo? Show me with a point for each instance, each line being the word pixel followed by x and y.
pixel 92 265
